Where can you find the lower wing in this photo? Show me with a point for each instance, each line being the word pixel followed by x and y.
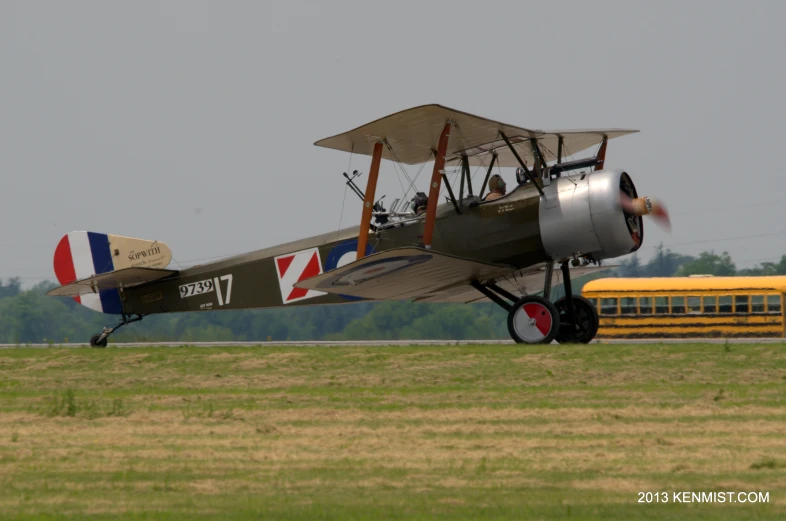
pixel 427 276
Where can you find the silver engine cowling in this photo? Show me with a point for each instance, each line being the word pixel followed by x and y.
pixel 582 215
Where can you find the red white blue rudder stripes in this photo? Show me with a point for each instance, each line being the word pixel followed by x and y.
pixel 81 255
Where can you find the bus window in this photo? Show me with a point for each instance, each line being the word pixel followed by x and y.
pixel 724 304
pixel 757 304
pixel 645 305
pixel 709 305
pixel 774 303
pixel 608 306
pixel 694 305
pixel 741 304
pixel 678 304
pixel 661 305
pixel 628 306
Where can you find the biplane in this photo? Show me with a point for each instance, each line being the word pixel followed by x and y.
pixel 563 214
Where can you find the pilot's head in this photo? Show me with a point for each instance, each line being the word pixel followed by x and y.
pixel 419 203
pixel 497 184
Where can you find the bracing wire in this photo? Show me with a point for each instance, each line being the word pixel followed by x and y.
pixel 344 199
pixel 482 164
pixel 417 176
pixel 396 165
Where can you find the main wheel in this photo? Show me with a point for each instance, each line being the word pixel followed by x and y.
pixel 587 321
pixel 95 343
pixel 533 320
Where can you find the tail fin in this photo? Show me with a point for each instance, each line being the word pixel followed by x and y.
pixel 80 255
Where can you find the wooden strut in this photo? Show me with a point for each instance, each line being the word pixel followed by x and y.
pixel 601 156
pixel 368 202
pixel 436 181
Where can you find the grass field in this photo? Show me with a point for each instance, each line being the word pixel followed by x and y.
pixel 474 432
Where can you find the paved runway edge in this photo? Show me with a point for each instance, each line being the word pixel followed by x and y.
pixel 380 343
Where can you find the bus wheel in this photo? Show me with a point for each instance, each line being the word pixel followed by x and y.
pixel 533 320
pixel 587 321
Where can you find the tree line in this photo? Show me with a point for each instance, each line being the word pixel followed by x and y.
pixel 666 263
pixel 29 316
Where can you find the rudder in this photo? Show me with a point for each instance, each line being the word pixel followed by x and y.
pixel 80 255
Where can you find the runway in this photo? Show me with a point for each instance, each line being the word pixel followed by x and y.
pixel 379 343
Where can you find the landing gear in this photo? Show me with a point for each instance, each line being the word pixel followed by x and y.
pixel 101 339
pixel 97 341
pixel 578 318
pixel 533 320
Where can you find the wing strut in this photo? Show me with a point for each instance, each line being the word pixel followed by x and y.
pixel 523 165
pixel 601 155
pixel 368 203
pixel 488 174
pixel 461 185
pixel 465 169
pixel 450 192
pixel 433 193
pixel 540 161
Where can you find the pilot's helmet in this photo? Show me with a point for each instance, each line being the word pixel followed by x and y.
pixel 521 176
pixel 420 200
pixel 497 183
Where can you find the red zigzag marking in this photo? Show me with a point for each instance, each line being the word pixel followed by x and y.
pixel 312 269
pixel 283 265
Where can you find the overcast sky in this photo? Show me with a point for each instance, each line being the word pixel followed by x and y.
pixel 193 122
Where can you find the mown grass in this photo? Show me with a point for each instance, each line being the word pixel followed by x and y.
pixel 475 432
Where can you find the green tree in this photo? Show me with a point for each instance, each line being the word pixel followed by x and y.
pixel 710 263
pixel 767 268
pixel 665 263
pixel 11 287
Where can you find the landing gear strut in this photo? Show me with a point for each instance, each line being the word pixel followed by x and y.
pixel 101 339
pixel 578 317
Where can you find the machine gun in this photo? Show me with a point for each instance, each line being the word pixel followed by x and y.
pixel 378 208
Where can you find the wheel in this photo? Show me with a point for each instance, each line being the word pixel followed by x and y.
pixel 95 343
pixel 587 321
pixel 533 320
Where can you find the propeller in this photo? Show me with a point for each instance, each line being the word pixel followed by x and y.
pixel 647 206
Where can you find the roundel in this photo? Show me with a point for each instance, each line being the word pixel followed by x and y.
pixel 343 254
pixel 377 268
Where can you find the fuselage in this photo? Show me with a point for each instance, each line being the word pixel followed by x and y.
pixel 518 230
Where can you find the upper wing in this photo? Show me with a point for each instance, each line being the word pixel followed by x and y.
pixel 401 274
pixel 112 280
pixel 414 133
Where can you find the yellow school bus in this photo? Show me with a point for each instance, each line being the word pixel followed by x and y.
pixel 685 307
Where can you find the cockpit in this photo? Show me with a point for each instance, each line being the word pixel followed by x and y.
pixel 407 211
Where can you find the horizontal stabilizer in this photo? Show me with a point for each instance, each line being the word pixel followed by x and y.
pixel 400 274
pixel 112 280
